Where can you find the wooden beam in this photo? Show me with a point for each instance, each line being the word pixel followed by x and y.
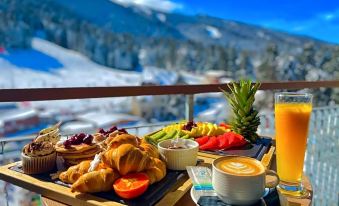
pixel 42 94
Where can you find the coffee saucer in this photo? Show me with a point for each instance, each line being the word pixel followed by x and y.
pixel 210 198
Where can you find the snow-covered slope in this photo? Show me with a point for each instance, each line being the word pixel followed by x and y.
pixel 76 71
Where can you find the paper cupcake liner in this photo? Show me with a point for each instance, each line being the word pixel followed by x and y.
pixel 37 165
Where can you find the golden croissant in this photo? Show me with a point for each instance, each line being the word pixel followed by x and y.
pixel 157 170
pixel 127 158
pixel 96 181
pixel 114 141
pixel 149 148
pixel 75 172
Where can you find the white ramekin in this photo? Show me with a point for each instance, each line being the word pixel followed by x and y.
pixel 178 159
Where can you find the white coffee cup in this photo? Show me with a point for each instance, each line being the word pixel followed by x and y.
pixel 240 180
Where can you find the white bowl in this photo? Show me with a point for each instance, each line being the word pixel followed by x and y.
pixel 178 159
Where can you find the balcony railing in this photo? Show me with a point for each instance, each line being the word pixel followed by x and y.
pixel 323 143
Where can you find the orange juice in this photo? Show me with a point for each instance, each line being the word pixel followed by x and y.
pixel 291 123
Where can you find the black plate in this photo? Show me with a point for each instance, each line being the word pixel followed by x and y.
pixel 256 150
pixel 153 194
pixel 271 199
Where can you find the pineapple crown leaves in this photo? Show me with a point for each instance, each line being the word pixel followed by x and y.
pixel 241 99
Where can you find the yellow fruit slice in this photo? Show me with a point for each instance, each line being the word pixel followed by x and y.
pixel 211 129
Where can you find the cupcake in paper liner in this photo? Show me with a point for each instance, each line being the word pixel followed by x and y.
pixel 38 157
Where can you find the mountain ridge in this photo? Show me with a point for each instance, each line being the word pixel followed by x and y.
pixel 137 21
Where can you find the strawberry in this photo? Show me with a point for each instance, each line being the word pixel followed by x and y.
pixel 212 144
pixel 202 140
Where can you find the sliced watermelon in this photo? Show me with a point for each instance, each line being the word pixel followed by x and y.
pixel 212 144
pixel 240 140
pixel 236 140
pixel 202 140
pixel 223 141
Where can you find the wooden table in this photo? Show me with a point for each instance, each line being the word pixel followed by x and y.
pixel 54 194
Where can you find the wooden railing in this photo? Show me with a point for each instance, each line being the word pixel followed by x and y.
pixel 320 154
pixel 41 94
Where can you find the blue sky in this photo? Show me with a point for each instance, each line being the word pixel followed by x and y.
pixel 316 18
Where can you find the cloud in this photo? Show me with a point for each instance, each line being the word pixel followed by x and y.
pixel 160 5
pixel 329 17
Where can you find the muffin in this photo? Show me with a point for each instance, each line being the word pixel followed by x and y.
pixel 38 157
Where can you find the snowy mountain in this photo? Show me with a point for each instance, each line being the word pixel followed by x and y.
pixel 145 22
pixel 129 37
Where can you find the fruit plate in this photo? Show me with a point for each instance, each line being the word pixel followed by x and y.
pixel 254 150
pixel 154 193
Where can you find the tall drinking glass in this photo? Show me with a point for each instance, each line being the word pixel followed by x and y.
pixel 292 115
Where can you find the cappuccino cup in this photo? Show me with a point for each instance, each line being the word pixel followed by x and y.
pixel 240 180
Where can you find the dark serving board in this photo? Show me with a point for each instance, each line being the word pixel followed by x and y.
pixel 255 150
pixel 271 199
pixel 153 194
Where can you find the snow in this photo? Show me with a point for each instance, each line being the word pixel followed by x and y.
pixel 76 71
pixel 159 5
pixel 161 17
pixel 159 76
pixel 213 32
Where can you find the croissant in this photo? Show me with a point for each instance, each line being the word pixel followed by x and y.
pixel 157 171
pixel 75 172
pixel 127 158
pixel 149 148
pixel 114 140
pixel 96 181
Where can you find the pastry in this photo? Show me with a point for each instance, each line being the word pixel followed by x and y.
pixel 77 148
pixel 114 140
pixel 127 158
pixel 38 157
pixel 50 134
pixel 125 154
pixel 149 148
pixel 73 173
pixel 90 152
pixel 157 171
pixel 97 181
pixel 102 134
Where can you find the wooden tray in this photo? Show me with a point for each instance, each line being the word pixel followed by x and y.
pixel 153 194
pixel 62 194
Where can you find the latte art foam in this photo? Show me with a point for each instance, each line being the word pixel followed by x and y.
pixel 239 166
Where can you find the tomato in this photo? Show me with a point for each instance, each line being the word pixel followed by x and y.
pixel 211 144
pixel 202 140
pixel 131 185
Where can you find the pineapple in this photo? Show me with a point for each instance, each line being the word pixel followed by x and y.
pixel 241 98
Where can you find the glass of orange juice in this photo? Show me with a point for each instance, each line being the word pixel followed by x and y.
pixel 292 116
